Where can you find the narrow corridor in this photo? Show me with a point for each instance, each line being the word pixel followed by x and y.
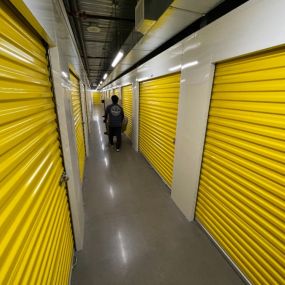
pixel 134 233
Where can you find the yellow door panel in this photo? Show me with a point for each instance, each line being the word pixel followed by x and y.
pixel 128 108
pixel 241 198
pixel 78 123
pixel 158 118
pixel 96 98
pixel 34 218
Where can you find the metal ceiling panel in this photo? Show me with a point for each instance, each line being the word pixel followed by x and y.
pixel 113 21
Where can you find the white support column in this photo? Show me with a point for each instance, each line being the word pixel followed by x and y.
pixel 62 95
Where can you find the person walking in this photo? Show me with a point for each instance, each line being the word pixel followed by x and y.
pixel 114 116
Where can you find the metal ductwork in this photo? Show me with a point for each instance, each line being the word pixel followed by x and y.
pixel 147 12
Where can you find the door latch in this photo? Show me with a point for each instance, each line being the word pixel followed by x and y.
pixel 64 178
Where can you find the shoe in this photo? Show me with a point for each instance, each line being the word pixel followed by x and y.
pixel 117 150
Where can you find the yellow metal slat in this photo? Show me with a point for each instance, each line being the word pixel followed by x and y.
pixel 31 164
pixel 127 102
pixel 158 116
pixel 241 198
pixel 78 123
pixel 96 98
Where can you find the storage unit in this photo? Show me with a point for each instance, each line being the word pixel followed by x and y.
pixel 241 199
pixel 36 240
pixel 157 123
pixel 96 98
pixel 78 122
pixel 128 108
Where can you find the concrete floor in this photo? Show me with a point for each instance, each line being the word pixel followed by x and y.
pixel 134 233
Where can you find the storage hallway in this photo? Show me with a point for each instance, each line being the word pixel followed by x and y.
pixel 196 194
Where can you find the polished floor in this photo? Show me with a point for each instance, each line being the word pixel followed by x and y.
pixel 134 233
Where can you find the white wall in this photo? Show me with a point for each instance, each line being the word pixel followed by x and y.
pixel 254 26
pixel 49 18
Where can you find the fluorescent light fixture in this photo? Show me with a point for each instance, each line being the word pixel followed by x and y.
pixel 143 78
pixel 117 58
pixel 189 64
pixel 105 76
pixel 175 68
pixel 64 74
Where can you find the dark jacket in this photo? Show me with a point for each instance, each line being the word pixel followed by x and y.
pixel 114 115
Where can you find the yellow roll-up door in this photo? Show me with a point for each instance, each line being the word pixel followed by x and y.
pixel 241 199
pixel 96 98
pixel 158 116
pixel 36 242
pixel 78 122
pixel 128 108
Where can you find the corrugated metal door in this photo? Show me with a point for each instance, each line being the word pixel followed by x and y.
pixel 241 199
pixel 36 242
pixel 96 98
pixel 128 108
pixel 78 122
pixel 158 116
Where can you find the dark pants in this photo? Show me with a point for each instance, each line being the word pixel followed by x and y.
pixel 117 132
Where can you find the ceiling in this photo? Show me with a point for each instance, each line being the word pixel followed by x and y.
pixel 113 22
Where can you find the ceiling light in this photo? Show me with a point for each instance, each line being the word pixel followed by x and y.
pixel 175 68
pixel 143 78
pixel 189 64
pixel 93 29
pixel 117 58
pixel 101 82
pixel 105 76
pixel 64 74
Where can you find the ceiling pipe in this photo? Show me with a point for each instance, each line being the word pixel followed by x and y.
pixel 85 16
